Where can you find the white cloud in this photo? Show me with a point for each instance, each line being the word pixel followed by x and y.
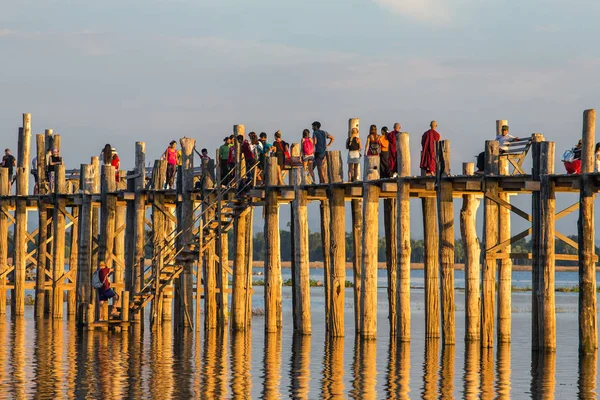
pixel 6 32
pixel 427 11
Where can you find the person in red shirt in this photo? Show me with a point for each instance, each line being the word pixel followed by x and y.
pixel 116 162
pixel 105 292
pixel 428 143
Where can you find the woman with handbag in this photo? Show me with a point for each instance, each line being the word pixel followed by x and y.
pixel 354 147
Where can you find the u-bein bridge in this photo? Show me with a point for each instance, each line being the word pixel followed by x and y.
pixel 189 269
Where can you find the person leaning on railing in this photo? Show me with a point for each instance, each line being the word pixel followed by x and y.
pixel 503 138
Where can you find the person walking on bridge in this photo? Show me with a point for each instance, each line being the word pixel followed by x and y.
pixel 428 143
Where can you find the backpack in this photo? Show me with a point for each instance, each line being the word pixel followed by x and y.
pixel 308 147
pixel 568 156
pixel 374 148
pixel 96 283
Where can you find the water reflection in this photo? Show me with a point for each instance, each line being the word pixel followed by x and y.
pixel 184 365
pixel 161 366
pixel 398 370
pixel 272 366
pixel 587 375
pixel 17 359
pixel 431 365
pixel 300 367
pixel 241 353
pixel 487 373
pixel 332 384
pixel 503 371
pixel 447 373
pixel 543 369
pixel 214 360
pixel 471 372
pixel 364 369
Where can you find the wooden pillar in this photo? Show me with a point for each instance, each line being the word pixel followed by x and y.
pixel 588 325
pixel 326 246
pixel 21 241
pixel 107 223
pixel 41 162
pixel 119 247
pixel 222 250
pixel 543 251
pixel 272 251
pixel 446 249
pixel 301 287
pixel 240 319
pixel 40 285
pixel 505 264
pixel 73 265
pixel 95 212
pixel 139 225
pixel 390 219
pixel 368 317
pixel 209 270
pixel 58 260
pixel 337 207
pixel 431 268
pixel 168 251
pixel 403 247
pixel 184 285
pixel 158 240
pixel 4 191
pixel 357 219
pixel 468 230
pixel 84 262
pixel 238 130
pixel 490 239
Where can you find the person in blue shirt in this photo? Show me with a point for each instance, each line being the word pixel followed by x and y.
pixel 322 140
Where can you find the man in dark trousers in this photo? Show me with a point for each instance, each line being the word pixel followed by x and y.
pixel 9 162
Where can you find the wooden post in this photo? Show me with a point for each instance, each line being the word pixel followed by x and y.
pixel 357 219
pixel 403 247
pixel 368 316
pixel 58 260
pixel 431 268
pixel 222 244
pixel 168 250
pixel 95 212
pixel 272 251
pixel 588 325
pixel 158 228
pixel 505 264
pixel 41 162
pixel 337 282
pixel 472 262
pixel 390 219
pixel 125 306
pixel 84 262
pixel 139 224
pixel 184 285
pixel 490 239
pixel 326 246
pixel 446 249
pixel 209 270
pixel 240 319
pixel 4 191
pixel 20 261
pixel 301 288
pixel 73 266
pixel 107 223
pixel 40 285
pixel 119 247
pixel 543 251
pixel 238 130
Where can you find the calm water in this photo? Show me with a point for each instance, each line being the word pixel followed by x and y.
pixel 50 359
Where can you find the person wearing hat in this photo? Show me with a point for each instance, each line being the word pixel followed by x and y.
pixel 105 292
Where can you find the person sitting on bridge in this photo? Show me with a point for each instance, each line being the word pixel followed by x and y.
pixel 503 138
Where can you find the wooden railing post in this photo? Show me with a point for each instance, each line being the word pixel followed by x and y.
pixel 272 250
pixel 404 249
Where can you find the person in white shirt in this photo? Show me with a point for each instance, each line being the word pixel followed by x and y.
pixel 503 138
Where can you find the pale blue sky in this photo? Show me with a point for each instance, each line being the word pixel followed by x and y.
pixel 121 71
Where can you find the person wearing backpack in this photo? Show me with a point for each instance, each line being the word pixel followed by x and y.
pixel 308 154
pixel 354 147
pixel 101 283
pixel 373 146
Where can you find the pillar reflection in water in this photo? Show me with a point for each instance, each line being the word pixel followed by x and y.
pixel 487 372
pixel 42 356
pixel 241 356
pixel 543 370
pixel 17 358
pixel 332 384
pixel 431 365
pixel 135 349
pixel 300 367
pixel 447 373
pixel 364 369
pixel 503 371
pixel 272 366
pixel 214 364
pixel 471 375
pixel 587 375
pixel 161 375
pixel 398 370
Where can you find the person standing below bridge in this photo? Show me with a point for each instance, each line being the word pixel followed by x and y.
pixel 320 138
pixel 428 143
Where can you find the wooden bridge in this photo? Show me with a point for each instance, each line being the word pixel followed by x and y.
pixel 187 234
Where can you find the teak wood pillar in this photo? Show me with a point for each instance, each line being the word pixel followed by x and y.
pixel 301 288
pixel 84 275
pixel 337 279
pixel 404 249
pixel 58 260
pixel 209 271
pixel 272 250
pixel 468 229
pixel 390 217
pixel 368 317
pixel 588 325
pixel 543 236
pixel 4 191
pixel 490 239
pixel 184 296
pixel 158 241
pixel 42 258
